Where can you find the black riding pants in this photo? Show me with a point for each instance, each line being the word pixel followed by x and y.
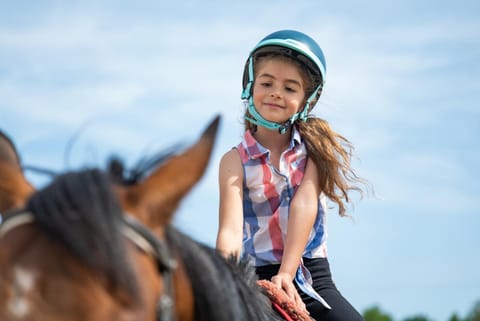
pixel 341 310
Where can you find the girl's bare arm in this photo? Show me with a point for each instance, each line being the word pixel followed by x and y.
pixel 230 229
pixel 303 211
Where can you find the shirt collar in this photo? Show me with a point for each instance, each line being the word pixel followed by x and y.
pixel 256 150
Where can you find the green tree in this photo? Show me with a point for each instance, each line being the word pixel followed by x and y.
pixel 417 318
pixel 454 317
pixel 474 314
pixel 375 314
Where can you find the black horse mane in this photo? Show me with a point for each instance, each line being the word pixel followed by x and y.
pixel 224 289
pixel 80 211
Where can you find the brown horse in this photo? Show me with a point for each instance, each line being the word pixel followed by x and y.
pixel 98 245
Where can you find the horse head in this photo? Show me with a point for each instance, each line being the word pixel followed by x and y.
pixel 99 245
pixel 90 246
pixel 152 201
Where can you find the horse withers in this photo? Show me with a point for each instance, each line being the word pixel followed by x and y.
pixel 98 245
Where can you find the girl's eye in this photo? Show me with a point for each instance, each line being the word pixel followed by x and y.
pixel 265 84
pixel 290 89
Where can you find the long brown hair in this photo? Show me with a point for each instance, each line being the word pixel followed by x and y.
pixel 332 154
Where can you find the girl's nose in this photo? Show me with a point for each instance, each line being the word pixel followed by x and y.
pixel 274 93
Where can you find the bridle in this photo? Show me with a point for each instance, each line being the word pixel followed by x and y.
pixel 143 238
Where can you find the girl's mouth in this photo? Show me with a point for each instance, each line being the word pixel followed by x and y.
pixel 275 106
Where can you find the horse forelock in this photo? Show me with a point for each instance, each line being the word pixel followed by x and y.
pixel 142 169
pixel 80 211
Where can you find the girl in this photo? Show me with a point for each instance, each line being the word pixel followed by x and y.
pixel 275 183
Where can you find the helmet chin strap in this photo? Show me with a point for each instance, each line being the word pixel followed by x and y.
pixel 282 128
pixel 258 120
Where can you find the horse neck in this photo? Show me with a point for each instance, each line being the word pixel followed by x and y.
pixel 223 290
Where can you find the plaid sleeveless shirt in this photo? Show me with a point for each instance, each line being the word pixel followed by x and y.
pixel 267 192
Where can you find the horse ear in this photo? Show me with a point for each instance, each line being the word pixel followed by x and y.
pixel 159 195
pixel 14 187
pixel 8 150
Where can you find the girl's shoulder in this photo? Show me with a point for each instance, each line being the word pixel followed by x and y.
pixel 231 164
pixel 231 158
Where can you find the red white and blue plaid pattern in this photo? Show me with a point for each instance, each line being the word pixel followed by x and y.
pixel 267 192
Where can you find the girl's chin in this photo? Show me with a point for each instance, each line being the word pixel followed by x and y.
pixel 275 119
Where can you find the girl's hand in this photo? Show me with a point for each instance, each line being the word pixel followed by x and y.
pixel 285 282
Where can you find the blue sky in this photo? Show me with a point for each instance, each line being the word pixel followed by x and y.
pixel 81 80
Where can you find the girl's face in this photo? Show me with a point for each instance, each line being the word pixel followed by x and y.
pixel 278 90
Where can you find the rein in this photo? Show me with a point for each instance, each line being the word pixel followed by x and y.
pixel 139 235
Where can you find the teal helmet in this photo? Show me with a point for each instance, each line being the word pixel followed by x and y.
pixel 298 46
